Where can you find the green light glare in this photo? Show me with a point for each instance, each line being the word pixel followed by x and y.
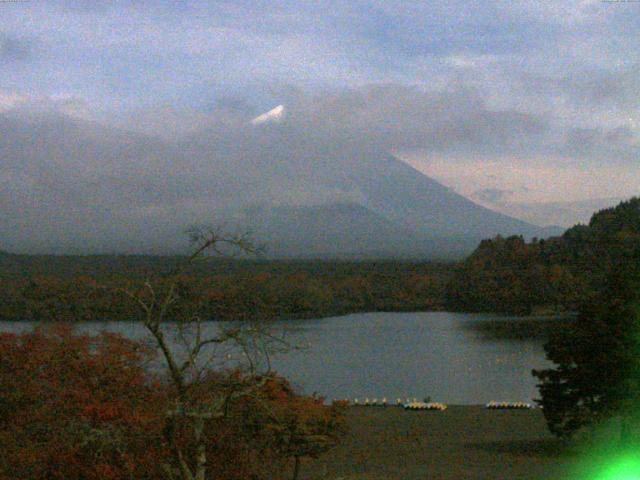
pixel 622 468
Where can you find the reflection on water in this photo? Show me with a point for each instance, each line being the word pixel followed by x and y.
pixel 392 355
pixel 519 328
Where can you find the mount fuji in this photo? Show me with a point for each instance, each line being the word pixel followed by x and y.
pixel 74 186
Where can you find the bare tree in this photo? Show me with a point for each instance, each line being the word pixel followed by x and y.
pixel 188 348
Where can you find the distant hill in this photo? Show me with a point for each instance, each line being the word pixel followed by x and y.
pixel 79 187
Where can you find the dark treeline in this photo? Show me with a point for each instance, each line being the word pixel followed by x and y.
pixel 559 274
pixel 85 287
pixel 504 275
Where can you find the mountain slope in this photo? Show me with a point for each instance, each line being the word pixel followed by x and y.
pixel 75 186
pixel 343 231
pixel 416 201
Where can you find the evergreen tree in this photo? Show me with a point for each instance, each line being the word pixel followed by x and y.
pixel 597 358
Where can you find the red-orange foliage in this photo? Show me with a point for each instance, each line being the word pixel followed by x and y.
pixel 76 407
pixel 79 407
pixel 269 429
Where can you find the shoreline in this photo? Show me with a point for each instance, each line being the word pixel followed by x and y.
pixel 499 316
pixel 463 442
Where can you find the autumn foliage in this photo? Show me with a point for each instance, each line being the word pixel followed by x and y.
pixel 562 273
pixel 42 288
pixel 76 407
pixel 85 407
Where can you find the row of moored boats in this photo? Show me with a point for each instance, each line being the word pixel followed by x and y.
pixel 508 406
pixel 414 404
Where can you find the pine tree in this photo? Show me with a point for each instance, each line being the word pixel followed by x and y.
pixel 597 372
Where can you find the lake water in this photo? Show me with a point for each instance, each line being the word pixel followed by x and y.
pixel 436 354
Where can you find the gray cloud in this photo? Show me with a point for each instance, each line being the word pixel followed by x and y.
pixel 524 82
pixel 71 183
pixel 618 145
pixel 135 52
pixel 455 122
pixel 389 116
pixel 599 90
pixel 13 49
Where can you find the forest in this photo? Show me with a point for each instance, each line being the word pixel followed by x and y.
pixel 76 288
pixel 559 274
pixel 503 275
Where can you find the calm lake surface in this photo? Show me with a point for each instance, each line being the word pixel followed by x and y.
pixel 437 354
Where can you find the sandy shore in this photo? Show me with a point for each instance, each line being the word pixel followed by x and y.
pixel 461 443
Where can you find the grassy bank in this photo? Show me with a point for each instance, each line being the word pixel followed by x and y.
pixel 461 443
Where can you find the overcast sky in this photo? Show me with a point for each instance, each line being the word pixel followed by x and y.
pixel 534 100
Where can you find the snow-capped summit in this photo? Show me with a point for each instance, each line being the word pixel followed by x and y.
pixel 273 115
